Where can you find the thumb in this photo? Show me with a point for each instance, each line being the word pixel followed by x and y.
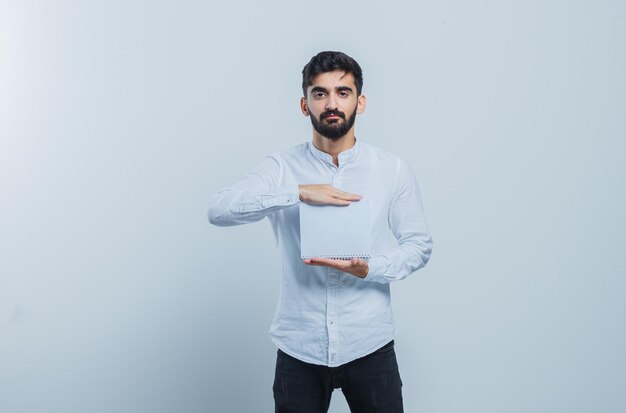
pixel 354 261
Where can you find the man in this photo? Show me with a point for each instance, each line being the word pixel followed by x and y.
pixel 334 325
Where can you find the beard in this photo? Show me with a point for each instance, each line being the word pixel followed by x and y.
pixel 334 130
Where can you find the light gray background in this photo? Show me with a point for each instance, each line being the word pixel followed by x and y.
pixel 119 120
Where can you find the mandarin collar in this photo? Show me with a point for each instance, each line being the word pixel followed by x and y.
pixel 343 157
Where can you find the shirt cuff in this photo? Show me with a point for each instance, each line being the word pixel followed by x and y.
pixel 284 196
pixel 279 197
pixel 376 269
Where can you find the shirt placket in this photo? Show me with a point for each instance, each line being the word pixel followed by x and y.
pixel 332 296
pixel 332 291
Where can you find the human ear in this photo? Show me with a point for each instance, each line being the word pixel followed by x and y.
pixel 304 107
pixel 360 106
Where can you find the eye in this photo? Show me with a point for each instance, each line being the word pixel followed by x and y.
pixel 319 95
pixel 343 94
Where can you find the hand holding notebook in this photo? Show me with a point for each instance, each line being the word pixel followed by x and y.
pixel 355 266
pixel 324 194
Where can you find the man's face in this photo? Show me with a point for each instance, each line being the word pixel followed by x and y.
pixel 332 103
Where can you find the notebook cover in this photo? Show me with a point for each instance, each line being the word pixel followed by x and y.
pixel 341 232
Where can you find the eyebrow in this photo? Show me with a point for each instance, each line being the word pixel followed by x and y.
pixel 343 89
pixel 318 89
pixel 324 90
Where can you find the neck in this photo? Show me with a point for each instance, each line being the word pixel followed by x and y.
pixel 334 147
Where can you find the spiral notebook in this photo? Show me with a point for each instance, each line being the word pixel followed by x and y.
pixel 329 231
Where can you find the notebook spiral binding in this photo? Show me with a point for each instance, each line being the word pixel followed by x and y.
pixel 336 256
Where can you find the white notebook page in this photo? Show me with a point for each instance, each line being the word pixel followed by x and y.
pixel 329 231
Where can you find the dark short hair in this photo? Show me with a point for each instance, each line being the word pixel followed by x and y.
pixel 330 61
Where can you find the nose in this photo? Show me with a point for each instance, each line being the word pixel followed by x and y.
pixel 331 102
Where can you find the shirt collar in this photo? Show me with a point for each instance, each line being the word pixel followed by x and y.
pixel 344 156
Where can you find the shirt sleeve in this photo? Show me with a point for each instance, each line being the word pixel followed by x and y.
pixel 408 225
pixel 254 197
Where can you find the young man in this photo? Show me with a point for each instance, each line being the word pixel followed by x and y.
pixel 334 325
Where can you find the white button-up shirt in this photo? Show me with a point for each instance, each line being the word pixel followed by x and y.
pixel 326 316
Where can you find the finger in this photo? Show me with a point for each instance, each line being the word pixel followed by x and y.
pixel 340 202
pixel 315 262
pixel 347 196
pixel 344 194
pixel 327 200
pixel 322 261
pixel 341 191
pixel 326 262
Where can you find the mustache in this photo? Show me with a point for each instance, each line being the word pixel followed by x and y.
pixel 333 112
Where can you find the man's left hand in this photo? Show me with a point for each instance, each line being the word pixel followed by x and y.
pixel 354 266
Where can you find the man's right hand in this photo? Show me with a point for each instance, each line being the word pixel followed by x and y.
pixel 324 194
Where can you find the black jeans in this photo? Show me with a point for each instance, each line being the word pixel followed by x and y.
pixel 369 384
